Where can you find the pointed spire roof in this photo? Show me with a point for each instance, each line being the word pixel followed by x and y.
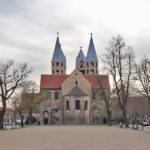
pixel 91 55
pixel 58 54
pixel 80 57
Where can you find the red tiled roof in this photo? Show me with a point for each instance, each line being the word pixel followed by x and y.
pixel 52 81
pixel 8 110
pixel 55 81
pixel 94 80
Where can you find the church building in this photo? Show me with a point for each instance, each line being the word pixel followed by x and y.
pixel 73 98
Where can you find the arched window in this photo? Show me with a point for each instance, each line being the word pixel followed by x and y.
pixel 77 104
pixel 49 95
pixel 76 82
pixel 56 95
pixel 67 105
pixel 85 105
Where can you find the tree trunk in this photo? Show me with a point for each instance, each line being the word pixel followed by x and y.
pixel 2 113
pixel 30 116
pixel 125 119
pixel 109 118
pixel 2 120
pixel 22 123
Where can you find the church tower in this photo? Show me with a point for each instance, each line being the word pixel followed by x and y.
pixel 58 63
pixel 91 59
pixel 80 61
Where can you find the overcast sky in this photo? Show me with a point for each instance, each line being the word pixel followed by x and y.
pixel 28 29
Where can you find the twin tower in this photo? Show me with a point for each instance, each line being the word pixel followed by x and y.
pixel 87 65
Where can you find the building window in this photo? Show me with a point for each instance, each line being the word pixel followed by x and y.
pixel 61 71
pixel 93 95
pixel 49 95
pixel 92 64
pixel 67 105
pixel 62 64
pixel 76 82
pixel 85 105
pixel 77 104
pixel 87 71
pixel 87 64
pixel 96 64
pixel 53 64
pixel 92 71
pixel 53 71
pixel 96 72
pixel 56 95
pixel 57 71
pixel 81 66
pixel 57 64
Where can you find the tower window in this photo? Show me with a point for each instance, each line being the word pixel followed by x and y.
pixel 67 105
pixel 85 105
pixel 62 64
pixel 92 64
pixel 76 82
pixel 56 95
pixel 77 104
pixel 87 64
pixel 81 66
pixel 92 71
pixel 57 64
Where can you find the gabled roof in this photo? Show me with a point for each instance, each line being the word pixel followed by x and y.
pixel 76 91
pixel 58 54
pixel 80 57
pixel 94 80
pixel 91 54
pixel 52 81
pixel 55 81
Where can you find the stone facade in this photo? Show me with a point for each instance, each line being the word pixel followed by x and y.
pixel 74 98
pixel 58 67
pixel 88 67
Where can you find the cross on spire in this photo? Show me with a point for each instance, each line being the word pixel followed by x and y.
pixel 57 34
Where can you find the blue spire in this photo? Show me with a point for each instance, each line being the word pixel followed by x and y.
pixel 91 55
pixel 58 54
pixel 80 57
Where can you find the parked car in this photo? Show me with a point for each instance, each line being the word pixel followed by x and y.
pixel 145 123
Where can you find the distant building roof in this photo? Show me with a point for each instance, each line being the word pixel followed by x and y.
pixel 76 91
pixel 58 54
pixel 80 57
pixel 91 55
pixel 55 81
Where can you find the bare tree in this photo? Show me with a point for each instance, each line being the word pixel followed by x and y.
pixel 29 96
pixel 106 96
pixel 118 61
pixel 19 107
pixel 142 76
pixel 11 78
